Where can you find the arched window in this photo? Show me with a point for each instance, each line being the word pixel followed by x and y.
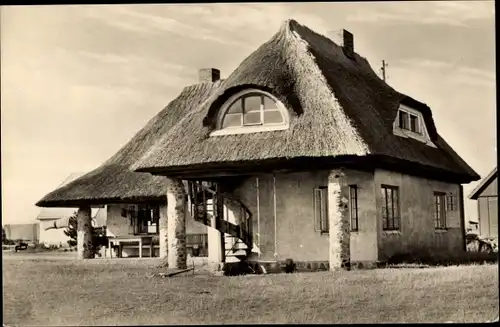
pixel 251 111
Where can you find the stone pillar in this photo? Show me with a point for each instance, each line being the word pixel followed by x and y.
pixel 84 244
pixel 338 213
pixel 176 222
pixel 163 231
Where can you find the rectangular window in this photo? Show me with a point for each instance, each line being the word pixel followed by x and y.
pixel 390 208
pixel 353 207
pixel 409 122
pixel 439 210
pixel 414 124
pixel 450 202
pixel 403 119
pixel 144 219
pixel 321 209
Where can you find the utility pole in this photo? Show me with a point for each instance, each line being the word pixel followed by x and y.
pixel 384 65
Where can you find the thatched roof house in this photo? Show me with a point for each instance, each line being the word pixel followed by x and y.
pixel 113 181
pixel 340 111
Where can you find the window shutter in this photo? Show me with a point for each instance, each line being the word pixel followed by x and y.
pixel 321 223
pixel 324 211
pixel 317 209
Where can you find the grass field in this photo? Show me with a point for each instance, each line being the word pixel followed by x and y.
pixel 65 292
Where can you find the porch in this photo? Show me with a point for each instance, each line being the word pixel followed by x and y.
pixel 147 246
pixel 133 231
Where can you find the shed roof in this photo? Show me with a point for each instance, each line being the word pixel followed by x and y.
pixel 483 184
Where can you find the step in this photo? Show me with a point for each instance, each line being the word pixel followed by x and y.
pixel 238 242
pixel 239 253
pixel 236 248
pixel 235 242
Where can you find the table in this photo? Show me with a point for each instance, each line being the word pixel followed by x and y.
pixel 119 240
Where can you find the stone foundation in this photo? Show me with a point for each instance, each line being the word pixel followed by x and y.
pixel 277 267
pixel 163 231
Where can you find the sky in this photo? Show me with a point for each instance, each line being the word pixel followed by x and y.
pixel 77 82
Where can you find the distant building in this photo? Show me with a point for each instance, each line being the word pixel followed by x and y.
pixel 48 217
pixel 486 194
pixel 53 223
pixel 26 232
pixel 53 220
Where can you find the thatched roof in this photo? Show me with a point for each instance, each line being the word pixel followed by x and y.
pixel 113 181
pixel 338 106
pixel 56 213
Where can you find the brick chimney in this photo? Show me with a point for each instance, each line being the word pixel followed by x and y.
pixel 208 75
pixel 345 39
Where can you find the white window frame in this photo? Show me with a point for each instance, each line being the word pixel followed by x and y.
pixel 439 215
pixel 423 136
pixel 250 128
pixel 321 222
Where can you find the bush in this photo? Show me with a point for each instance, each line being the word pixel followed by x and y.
pixel 478 243
pixel 434 259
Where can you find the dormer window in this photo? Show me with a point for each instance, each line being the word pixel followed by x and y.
pixel 251 111
pixel 410 123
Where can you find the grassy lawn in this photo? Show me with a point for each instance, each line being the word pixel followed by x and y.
pixel 66 292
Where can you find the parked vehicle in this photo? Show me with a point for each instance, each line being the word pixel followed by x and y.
pixel 20 246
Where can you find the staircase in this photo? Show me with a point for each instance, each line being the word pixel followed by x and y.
pixel 207 202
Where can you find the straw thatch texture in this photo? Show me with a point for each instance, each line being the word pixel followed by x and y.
pixel 338 107
pixel 113 181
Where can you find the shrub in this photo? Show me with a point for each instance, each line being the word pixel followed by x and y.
pixel 481 244
pixel 434 259
pixel 98 234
